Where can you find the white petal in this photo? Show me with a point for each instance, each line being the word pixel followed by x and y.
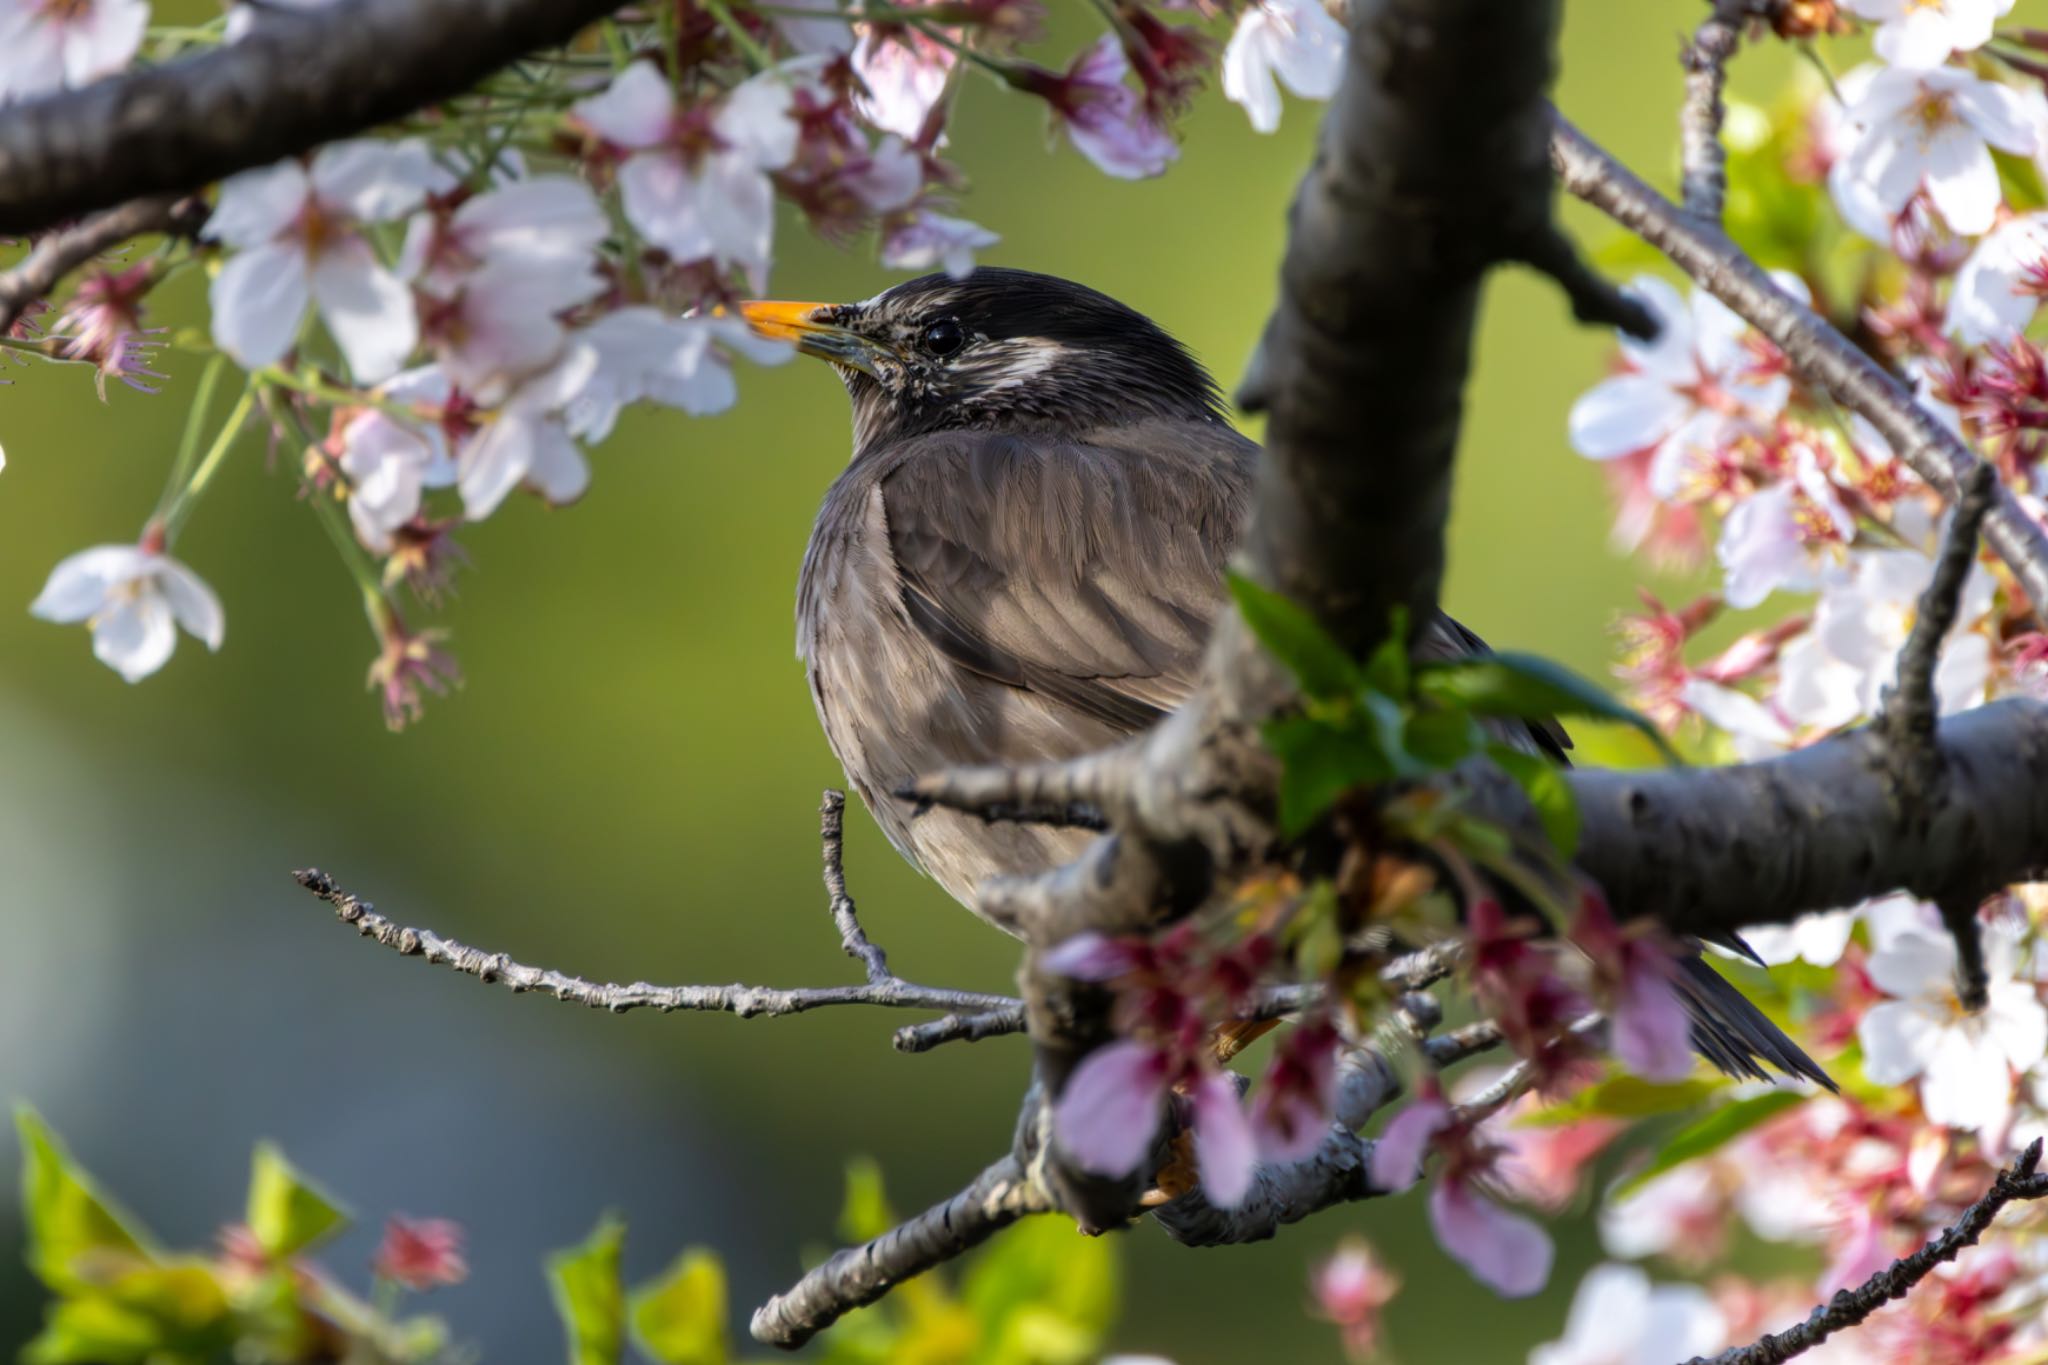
pixel 493 463
pixel 1999 114
pixel 1966 1083
pixel 258 300
pixel 1248 71
pixel 136 637
pixel 367 308
pixel 661 199
pixel 258 205
pixel 1624 414
pixel 81 583
pixel 1670 357
pixel 1913 965
pixel 757 122
pixel 1962 180
pixel 546 218
pixel 736 204
pixel 372 180
pixel 1922 38
pixel 1684 1324
pixel 191 601
pixel 2017 1024
pixel 558 472
pixel 1898 1041
pixel 637 110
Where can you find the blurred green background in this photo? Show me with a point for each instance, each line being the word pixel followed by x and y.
pixel 626 789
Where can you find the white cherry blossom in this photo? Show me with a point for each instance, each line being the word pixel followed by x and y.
pixel 1619 1318
pixel 547 221
pixel 1684 395
pixel 1839 669
pixel 133 598
pixel 388 464
pixel 645 355
pixel 298 234
pixel 1282 42
pixel 49 45
pixel 1964 1062
pixel 525 441
pixel 1922 33
pixel 904 74
pixel 927 239
pixel 1817 938
pixel 1930 129
pixel 1999 286
pixel 698 197
pixel 1781 536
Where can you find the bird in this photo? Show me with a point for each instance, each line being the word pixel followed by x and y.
pixel 1023 557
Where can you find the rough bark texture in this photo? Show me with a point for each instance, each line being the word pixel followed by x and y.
pixel 300 79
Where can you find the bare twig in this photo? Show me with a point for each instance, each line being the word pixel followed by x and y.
pixel 1513 1083
pixel 2017 1182
pixel 57 254
pixel 998 1197
pixel 301 78
pixel 745 1001
pixel 1705 58
pixel 1909 704
pixel 1461 1044
pixel 1820 353
pixel 831 833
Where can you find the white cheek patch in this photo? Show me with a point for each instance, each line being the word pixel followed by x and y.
pixel 1015 362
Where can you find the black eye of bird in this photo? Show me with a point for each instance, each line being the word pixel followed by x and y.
pixel 943 337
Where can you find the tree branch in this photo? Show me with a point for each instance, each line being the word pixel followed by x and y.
pixel 2017 1182
pixel 1822 355
pixel 883 987
pixel 57 254
pixel 998 1197
pixel 1705 58
pixel 301 78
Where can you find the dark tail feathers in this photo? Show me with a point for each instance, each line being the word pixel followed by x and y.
pixel 1732 1033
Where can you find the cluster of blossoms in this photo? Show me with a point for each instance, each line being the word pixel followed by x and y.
pixel 446 316
pixel 1921 177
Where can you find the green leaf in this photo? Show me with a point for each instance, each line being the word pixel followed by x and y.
pixel 1043 1294
pixel 1387 671
pixel 1441 740
pixel 1711 1133
pixel 1549 792
pixel 1531 687
pixel 1315 935
pixel 866 1214
pixel 93 1331
pixel 680 1318
pixel 1624 1096
pixel 588 1295
pixel 1319 763
pixel 287 1212
pixel 1294 637
pixel 76 1238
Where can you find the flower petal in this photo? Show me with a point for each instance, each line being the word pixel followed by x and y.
pixel 192 602
pixel 636 110
pixel 1506 1252
pixel 1624 414
pixel 368 310
pixel 1224 1148
pixel 1109 1113
pixel 258 205
pixel 81 583
pixel 258 300
pixel 136 637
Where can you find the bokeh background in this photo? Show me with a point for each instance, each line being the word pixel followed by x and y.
pixel 626 789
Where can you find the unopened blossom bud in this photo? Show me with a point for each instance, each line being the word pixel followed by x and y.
pixel 421 1253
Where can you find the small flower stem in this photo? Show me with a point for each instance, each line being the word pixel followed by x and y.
pixel 181 509
pixel 312 386
pixel 1008 73
pixel 188 443
pixel 756 55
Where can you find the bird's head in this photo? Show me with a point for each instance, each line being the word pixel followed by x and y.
pixel 1001 349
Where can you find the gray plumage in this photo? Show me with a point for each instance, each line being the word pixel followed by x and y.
pixel 1023 557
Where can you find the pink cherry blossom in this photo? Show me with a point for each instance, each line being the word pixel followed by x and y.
pixel 298 234
pixel 1103 116
pixel 1109 1112
pixel 1504 1251
pixel 1349 1289
pixel 695 181
pixel 1783 536
pixel 904 75
pixel 643 355
pixel 388 464
pixel 548 221
pixel 421 1253
pixel 1292 1109
pixel 1647 1025
pixel 923 239
pixel 48 45
pixel 1225 1150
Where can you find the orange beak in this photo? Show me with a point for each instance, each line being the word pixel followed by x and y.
pixel 782 320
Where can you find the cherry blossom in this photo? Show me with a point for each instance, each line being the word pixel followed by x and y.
pixel 1619 1318
pixel 1693 390
pixel 421 1253
pixel 1681 1214
pixel 1349 1289
pixel 133 598
pixel 1816 938
pixel 298 234
pixel 1504 1251
pixel 695 181
pixel 923 239
pixel 1276 42
pixel 2000 285
pixel 903 75
pixel 1781 537
pixel 684 363
pixel 1964 1062
pixel 1647 1025
pixel 1102 115
pixel 1931 129
pixel 548 221
pixel 388 464
pixel 1109 1114
pixel 48 45
pixel 526 440
pixel 1922 33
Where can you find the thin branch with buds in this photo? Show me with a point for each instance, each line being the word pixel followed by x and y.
pixel 2018 1182
pixel 883 988
pixel 1704 159
pixel 57 254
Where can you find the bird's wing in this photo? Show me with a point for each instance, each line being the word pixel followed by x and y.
pixel 1087 572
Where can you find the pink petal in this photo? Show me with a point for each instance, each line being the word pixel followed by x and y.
pixel 1504 1251
pixel 636 111
pixel 1109 1112
pixel 1224 1148
pixel 1090 956
pixel 1397 1156
pixel 1648 1027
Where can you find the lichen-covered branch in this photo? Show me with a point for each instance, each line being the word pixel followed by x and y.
pixel 2020 1181
pixel 301 78
pixel 1822 355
